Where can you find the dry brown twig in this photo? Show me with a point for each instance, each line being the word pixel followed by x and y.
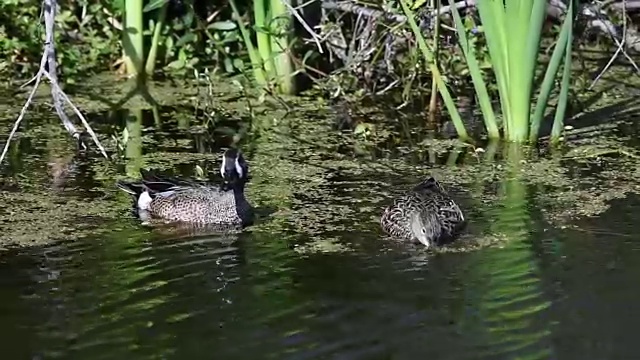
pixel 556 9
pixel 294 11
pixel 49 58
pixel 621 46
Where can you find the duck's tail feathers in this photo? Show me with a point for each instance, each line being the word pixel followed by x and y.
pixel 140 192
pixel 429 184
pixel 133 189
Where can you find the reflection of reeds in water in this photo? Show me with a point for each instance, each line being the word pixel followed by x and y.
pixel 133 143
pixel 505 288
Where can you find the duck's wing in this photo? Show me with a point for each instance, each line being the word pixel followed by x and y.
pixel 157 184
pixel 395 222
pixel 396 218
pixel 451 217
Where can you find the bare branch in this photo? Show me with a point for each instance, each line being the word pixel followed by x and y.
pixel 306 26
pixel 621 46
pixel 555 9
pixel 37 78
pixel 56 87
pixel 50 10
pixel 363 10
pixel 48 61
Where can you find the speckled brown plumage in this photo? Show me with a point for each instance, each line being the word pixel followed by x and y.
pixel 204 205
pixel 426 213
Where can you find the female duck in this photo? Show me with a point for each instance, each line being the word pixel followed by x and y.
pixel 174 200
pixel 426 213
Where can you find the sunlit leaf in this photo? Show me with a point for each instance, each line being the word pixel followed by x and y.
pixel 125 135
pixel 187 38
pixel 223 25
pixel 168 43
pixel 118 5
pixel 154 4
pixel 176 64
pixel 228 65
pixel 188 19
pixel 193 62
pixel 418 4
pixel 238 64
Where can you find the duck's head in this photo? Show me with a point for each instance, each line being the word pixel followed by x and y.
pixel 234 169
pixel 420 229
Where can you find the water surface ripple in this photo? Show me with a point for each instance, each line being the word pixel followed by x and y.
pixel 136 293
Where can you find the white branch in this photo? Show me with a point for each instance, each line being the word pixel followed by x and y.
pixel 37 78
pixel 48 67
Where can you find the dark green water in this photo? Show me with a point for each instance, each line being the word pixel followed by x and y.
pixel 129 292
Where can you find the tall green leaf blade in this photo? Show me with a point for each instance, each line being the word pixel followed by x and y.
pixel 558 121
pixel 258 72
pixel 476 75
pixel 549 79
pixel 442 87
pixel 492 17
pixel 262 18
pixel 538 15
pixel 519 77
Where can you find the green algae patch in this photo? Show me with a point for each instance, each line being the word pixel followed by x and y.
pixel 467 243
pixel 40 217
pixel 325 246
pixel 310 181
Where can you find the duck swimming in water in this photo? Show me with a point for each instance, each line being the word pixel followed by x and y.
pixel 176 200
pixel 426 213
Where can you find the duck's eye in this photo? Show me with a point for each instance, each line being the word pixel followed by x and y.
pixel 424 231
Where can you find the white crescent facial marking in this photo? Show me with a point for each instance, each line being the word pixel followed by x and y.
pixel 239 168
pixel 224 164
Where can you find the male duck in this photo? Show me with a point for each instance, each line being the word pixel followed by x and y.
pixel 174 200
pixel 426 213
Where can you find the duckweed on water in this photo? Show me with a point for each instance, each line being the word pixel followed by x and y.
pixel 35 218
pixel 321 183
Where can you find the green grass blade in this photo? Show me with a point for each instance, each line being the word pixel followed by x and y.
pixel 558 121
pixel 155 39
pixel 442 87
pixel 256 63
pixel 281 27
pixel 561 107
pixel 478 82
pixel 132 38
pixel 492 18
pixel 263 38
pixel 549 78
pixel 520 77
pixel 538 15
